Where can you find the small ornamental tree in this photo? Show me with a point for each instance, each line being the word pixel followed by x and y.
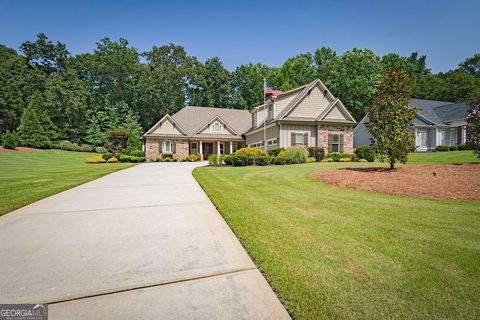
pixel 389 118
pixel 473 123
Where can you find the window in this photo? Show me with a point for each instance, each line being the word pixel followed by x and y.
pixel 222 148
pixel 421 138
pixel 298 139
pixel 335 143
pixel 270 112
pixel 193 148
pixel 167 146
pixel 441 136
pixel 453 136
pixel 217 127
pixel 234 146
pixel 272 142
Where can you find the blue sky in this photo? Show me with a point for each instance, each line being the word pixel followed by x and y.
pixel 254 31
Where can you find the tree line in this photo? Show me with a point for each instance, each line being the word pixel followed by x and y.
pixel 81 97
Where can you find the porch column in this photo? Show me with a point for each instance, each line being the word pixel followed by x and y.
pixel 201 149
pixel 231 147
pixel 464 134
pixel 218 147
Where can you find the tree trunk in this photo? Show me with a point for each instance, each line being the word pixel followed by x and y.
pixel 392 164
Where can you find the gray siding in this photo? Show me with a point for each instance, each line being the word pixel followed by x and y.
pixel 360 134
pixel 257 137
pixel 287 129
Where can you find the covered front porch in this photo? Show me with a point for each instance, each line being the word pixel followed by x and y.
pixel 204 148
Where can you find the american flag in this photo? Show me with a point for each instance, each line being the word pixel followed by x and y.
pixel 271 91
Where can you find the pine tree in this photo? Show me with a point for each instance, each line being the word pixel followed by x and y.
pixel 94 133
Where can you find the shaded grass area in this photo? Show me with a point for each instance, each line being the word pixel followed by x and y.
pixel 348 254
pixel 28 177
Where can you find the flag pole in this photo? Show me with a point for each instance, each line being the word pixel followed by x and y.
pixel 266 114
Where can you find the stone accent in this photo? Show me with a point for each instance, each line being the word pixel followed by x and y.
pixel 347 131
pixel 152 149
pixel 181 149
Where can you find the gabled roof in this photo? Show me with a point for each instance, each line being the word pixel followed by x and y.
pixel 454 111
pixel 193 119
pixel 166 117
pixel 217 118
pixel 439 112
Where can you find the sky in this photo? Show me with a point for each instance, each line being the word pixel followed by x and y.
pixel 240 32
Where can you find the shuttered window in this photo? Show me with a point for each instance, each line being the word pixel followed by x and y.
pixel 167 147
pixel 335 142
pixel 299 139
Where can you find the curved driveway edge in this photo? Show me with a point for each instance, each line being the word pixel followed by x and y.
pixel 144 242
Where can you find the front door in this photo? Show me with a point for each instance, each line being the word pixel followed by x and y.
pixel 207 149
pixel 421 140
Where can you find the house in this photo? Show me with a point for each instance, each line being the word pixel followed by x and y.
pixel 308 115
pixel 436 123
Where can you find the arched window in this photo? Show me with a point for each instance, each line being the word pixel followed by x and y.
pixel 217 127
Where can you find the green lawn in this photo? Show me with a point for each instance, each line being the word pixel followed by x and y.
pixel 28 177
pixel 347 254
pixel 443 157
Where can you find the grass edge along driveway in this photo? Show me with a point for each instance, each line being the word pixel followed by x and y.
pixel 339 253
pixel 26 177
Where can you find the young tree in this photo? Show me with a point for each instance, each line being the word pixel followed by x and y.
pixel 94 134
pixel 389 118
pixel 473 123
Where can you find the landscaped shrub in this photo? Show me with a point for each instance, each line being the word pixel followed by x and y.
pixel 215 160
pixel 442 147
pixel 363 160
pixel 335 156
pixel 117 140
pixel 136 153
pixel 193 157
pixel 365 152
pixel 159 159
pixel 275 151
pixel 262 160
pixel 10 140
pixel 354 158
pixel 95 160
pixel 453 148
pixel 228 159
pixel 328 159
pixel 463 146
pixel 136 159
pixel 112 160
pixel 100 150
pixel 167 159
pixel 344 159
pixel 107 155
pixel 311 159
pixel 241 160
pixel 71 146
pixel 316 152
pixel 296 155
pixel 279 160
pixel 252 152
pixel 124 158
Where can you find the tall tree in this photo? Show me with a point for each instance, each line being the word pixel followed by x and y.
pixel 389 118
pixel 353 77
pixel 321 56
pixel 15 87
pixel 163 83
pixel 472 65
pixel 210 85
pixel 46 55
pixel 399 63
pixel 473 122
pixel 296 71
pixel 66 104
pixel 248 84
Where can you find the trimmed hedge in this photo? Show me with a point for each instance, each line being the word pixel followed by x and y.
pixel 262 160
pixel 365 152
pixel 316 152
pixel 442 148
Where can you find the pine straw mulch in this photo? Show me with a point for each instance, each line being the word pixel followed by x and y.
pixel 17 149
pixel 441 181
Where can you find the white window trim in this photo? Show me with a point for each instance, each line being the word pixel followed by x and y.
pixel 164 146
pixel 303 142
pixel 441 136
pixel 272 142
pixel 453 136
pixel 217 124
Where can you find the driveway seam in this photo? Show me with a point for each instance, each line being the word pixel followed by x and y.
pixel 213 275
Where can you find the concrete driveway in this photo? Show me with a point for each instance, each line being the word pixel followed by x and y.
pixel 142 243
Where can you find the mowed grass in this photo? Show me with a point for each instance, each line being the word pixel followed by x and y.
pixel 332 253
pixel 28 177
pixel 443 157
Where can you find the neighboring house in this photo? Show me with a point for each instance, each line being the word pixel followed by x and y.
pixel 436 123
pixel 309 115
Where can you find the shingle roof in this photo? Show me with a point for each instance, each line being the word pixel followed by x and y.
pixel 438 112
pixel 193 118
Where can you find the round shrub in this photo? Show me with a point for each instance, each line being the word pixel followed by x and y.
pixel 363 160
pixel 275 151
pixel 252 152
pixel 167 159
pixel 311 159
pixel 316 152
pixel 107 155
pixel 463 146
pixel 100 150
pixel 10 140
pixel 453 148
pixel 344 160
pixel 279 161
pixel 136 153
pixel 95 160
pixel 112 160
pixel 335 156
pixel 193 157
pixel 365 152
pixel 124 158
pixel 241 160
pixel 296 155
pixel 327 160
pixel 262 160
pixel 442 148
pixel 228 159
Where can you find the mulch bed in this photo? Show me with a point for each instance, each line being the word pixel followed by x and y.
pixel 441 181
pixel 17 149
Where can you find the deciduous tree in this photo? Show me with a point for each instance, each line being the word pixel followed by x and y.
pixel 473 122
pixel 389 118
